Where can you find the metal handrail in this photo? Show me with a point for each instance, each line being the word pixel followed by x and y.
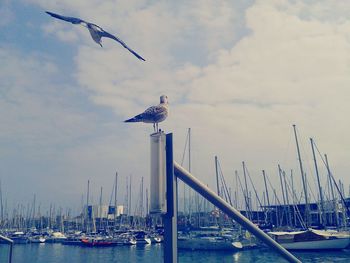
pixel 202 189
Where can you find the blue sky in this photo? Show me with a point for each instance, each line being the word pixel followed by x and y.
pixel 239 73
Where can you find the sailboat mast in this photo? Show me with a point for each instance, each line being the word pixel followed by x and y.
pixel 189 149
pixel 246 185
pixel 236 190
pixel 100 209
pixel 281 182
pixel 127 196
pixel 87 207
pixel 34 211
pixel 276 208
pixel 334 201
pixel 322 217
pixel 147 202
pixel 267 196
pixel 303 177
pixel 141 199
pixel 217 176
pixel 1 204
pixel 246 194
pixel 292 185
pixel 130 195
pixel 189 168
pixel 283 195
pixel 287 199
pixel 50 217
pixel 115 198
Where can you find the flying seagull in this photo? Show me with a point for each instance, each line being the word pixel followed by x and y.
pixel 96 32
pixel 153 114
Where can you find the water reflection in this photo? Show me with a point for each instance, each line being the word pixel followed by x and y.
pixel 57 253
pixel 236 256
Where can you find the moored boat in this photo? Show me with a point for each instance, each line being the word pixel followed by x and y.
pixel 142 238
pixel 156 239
pixel 19 238
pixel 208 242
pixel 311 239
pixel 37 239
pixel 97 242
pixel 73 240
pixel 125 239
pixel 56 237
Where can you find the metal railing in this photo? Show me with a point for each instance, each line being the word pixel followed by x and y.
pixel 164 174
pixel 216 200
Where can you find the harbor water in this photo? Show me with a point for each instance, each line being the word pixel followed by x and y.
pixel 57 253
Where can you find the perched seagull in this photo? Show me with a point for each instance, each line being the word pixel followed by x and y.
pixel 153 114
pixel 96 32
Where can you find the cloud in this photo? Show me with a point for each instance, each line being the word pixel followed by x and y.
pixel 39 123
pixel 28 88
pixel 240 76
pixel 65 33
pixel 6 13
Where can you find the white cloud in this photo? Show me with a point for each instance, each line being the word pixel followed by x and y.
pixel 39 124
pixel 30 99
pixel 64 33
pixel 6 13
pixel 240 100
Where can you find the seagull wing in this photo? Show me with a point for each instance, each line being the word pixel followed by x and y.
pixel 106 34
pixel 72 20
pixel 153 113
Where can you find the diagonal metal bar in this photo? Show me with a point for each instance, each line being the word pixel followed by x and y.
pixel 202 189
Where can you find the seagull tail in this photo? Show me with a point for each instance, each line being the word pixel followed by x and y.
pixel 137 118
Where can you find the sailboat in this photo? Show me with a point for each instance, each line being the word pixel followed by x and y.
pixel 310 239
pixel 37 239
pixel 142 238
pixel 209 238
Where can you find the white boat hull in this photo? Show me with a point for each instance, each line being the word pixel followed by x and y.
pixel 329 244
pixel 143 241
pixel 311 239
pixel 38 240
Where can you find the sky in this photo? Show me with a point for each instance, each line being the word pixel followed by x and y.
pixel 238 73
